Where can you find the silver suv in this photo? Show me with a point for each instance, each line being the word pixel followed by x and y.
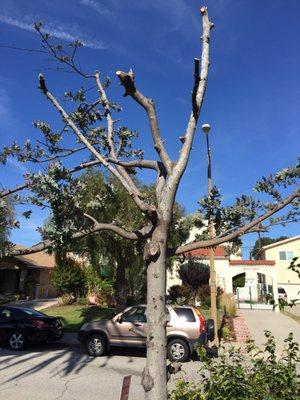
pixel 186 327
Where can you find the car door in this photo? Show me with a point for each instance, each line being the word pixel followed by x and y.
pixel 7 321
pixel 130 328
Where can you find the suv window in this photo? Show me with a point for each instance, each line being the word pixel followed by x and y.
pixel 135 314
pixel 281 290
pixel 185 314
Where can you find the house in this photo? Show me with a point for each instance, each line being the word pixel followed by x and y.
pixel 282 253
pixel 28 275
pixel 258 277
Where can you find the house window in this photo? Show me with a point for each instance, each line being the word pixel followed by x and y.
pixel 286 255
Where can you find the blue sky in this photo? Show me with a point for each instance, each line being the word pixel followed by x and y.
pixel 253 94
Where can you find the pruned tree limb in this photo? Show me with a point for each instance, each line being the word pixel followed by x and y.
pixel 127 80
pixel 197 98
pixel 238 232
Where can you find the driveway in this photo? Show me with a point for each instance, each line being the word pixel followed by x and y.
pixel 65 372
pixel 280 325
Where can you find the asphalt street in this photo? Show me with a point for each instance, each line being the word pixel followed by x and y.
pixel 63 371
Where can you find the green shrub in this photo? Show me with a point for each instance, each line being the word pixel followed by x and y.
pixel 68 277
pixel 228 304
pixel 65 300
pixel 256 375
pixel 101 287
pixel 82 301
pixel 179 294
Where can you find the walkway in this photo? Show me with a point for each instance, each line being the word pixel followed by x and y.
pixel 38 304
pixel 278 324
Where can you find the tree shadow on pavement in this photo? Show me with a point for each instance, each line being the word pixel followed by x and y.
pixel 60 359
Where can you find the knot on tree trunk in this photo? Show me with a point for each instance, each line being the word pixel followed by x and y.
pixel 152 251
pixel 147 380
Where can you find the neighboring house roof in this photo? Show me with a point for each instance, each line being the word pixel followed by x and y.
pixel 251 262
pixel 291 239
pixel 37 260
pixel 220 251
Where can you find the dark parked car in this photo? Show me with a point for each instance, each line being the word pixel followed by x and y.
pixel 186 327
pixel 20 325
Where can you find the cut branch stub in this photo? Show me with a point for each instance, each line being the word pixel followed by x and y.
pixel 42 83
pixel 152 251
pixel 127 80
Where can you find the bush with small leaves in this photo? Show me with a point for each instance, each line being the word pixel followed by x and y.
pixel 254 374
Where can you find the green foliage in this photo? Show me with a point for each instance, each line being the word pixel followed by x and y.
pixel 238 281
pixel 95 284
pixel 194 274
pixel 68 276
pixel 179 294
pixel 256 375
pixel 264 241
pixel 295 266
pixel 203 294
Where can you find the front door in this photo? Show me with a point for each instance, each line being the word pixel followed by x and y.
pixel 130 328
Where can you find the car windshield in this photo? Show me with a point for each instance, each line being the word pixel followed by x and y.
pixel 280 290
pixel 31 311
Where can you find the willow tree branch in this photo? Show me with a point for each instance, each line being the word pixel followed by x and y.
pixel 127 80
pixel 197 98
pixel 238 232
pixel 148 209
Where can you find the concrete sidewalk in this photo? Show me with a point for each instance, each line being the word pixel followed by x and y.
pixel 37 304
pixel 278 324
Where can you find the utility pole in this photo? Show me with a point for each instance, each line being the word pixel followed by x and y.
pixel 211 230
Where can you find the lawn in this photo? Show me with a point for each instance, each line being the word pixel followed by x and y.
pixel 74 316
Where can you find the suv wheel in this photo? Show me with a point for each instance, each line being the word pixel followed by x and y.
pixel 16 340
pixel 178 350
pixel 96 345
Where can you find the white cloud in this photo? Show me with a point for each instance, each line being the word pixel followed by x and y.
pixel 18 165
pixel 58 30
pixel 99 8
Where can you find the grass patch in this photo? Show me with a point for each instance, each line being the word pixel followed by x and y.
pixel 74 316
pixel 293 316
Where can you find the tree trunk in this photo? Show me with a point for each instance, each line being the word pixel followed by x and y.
pixel 120 287
pixel 154 379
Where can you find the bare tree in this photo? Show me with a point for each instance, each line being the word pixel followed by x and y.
pixel 110 147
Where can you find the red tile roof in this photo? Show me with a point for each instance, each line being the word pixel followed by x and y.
pixel 219 252
pixel 251 262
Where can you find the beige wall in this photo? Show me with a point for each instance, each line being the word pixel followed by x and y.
pixel 283 274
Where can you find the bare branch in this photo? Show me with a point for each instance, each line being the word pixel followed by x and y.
pixel 149 209
pixel 148 164
pixel 127 80
pixel 239 232
pixel 110 134
pixel 197 97
pixel 141 234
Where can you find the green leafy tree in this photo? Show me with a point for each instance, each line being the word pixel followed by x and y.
pixel 68 276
